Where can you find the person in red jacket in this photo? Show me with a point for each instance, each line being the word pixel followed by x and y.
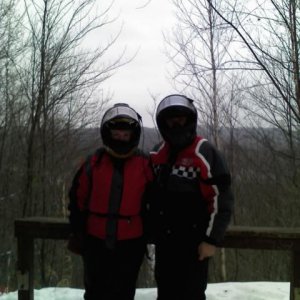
pixel 191 202
pixel 106 200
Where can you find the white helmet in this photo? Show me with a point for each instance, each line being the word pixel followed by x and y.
pixel 120 116
pixel 177 105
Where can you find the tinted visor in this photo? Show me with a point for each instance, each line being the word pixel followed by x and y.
pixel 122 123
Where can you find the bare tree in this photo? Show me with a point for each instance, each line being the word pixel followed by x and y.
pixel 270 32
pixel 50 89
pixel 10 108
pixel 61 80
pixel 268 35
pixel 58 72
pixel 199 49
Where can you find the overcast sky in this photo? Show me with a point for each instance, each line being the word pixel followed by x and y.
pixel 143 22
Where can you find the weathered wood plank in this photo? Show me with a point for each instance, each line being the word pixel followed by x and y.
pixel 45 227
pixel 42 227
pixel 266 232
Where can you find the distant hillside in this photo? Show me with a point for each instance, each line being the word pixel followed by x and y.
pixel 89 138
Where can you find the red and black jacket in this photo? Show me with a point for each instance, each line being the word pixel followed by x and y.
pixel 191 192
pixel 93 186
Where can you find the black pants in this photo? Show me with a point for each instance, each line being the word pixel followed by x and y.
pixel 179 274
pixel 111 274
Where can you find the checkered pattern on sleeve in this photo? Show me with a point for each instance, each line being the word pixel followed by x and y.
pixel 186 172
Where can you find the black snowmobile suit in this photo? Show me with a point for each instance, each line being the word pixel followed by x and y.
pixel 191 202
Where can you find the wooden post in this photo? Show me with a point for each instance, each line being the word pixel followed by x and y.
pixel 25 268
pixel 295 283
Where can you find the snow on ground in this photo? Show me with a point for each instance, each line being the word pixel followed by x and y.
pixel 215 291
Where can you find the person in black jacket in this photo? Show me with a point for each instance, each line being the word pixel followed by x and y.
pixel 106 200
pixel 190 202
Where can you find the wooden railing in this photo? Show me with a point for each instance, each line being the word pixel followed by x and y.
pixel 29 229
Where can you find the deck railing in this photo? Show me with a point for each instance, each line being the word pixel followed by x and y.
pixel 29 229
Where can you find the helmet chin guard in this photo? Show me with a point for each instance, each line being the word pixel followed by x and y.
pixel 173 106
pixel 120 116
